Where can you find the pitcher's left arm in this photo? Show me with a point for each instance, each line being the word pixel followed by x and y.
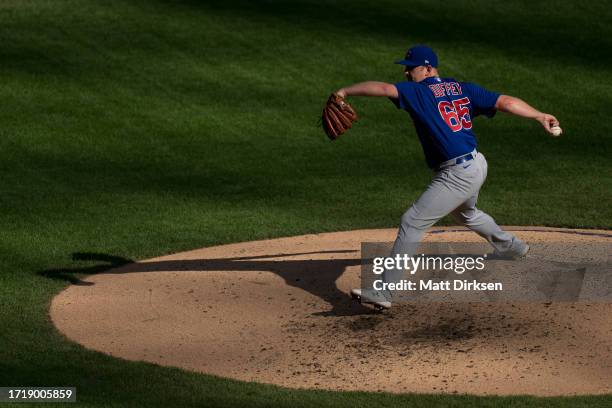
pixel 369 88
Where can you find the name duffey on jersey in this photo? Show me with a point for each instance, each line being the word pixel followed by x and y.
pixel 442 110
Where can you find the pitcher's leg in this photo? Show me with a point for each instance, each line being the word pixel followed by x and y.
pixel 440 198
pixel 484 225
pixel 409 234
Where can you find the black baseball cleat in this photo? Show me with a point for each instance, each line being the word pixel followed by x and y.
pixel 371 297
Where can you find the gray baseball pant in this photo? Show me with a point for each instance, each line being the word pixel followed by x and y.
pixel 453 190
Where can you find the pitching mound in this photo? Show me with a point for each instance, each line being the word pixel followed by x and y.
pixel 277 311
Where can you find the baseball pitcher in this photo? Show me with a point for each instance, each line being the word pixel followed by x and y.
pixel 442 110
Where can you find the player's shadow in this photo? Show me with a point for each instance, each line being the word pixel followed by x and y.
pixel 72 275
pixel 315 276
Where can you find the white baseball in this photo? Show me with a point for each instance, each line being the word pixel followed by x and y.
pixel 556 130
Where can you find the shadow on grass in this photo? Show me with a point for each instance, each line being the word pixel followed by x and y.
pixel 547 31
pixel 553 33
pixel 71 274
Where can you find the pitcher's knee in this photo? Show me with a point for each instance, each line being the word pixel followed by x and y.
pixel 468 217
pixel 411 220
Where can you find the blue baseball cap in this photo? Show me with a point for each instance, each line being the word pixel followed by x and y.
pixel 419 55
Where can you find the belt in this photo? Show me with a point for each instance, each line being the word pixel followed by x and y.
pixel 457 160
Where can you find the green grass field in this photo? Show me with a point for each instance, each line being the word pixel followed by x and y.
pixel 132 129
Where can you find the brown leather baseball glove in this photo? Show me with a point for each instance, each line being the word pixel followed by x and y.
pixel 338 116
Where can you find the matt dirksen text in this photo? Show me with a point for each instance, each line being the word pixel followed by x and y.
pixel 432 285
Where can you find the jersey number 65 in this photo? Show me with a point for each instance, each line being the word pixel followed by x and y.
pixel 456 114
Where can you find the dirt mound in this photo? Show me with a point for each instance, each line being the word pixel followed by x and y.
pixel 277 311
